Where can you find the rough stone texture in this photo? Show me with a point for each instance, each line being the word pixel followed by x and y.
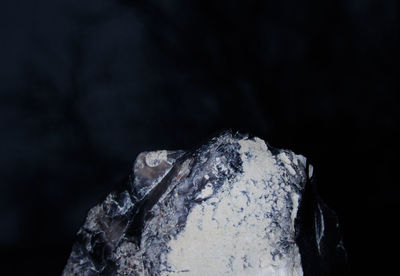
pixel 235 206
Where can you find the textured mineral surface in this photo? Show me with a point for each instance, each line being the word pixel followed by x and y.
pixel 235 206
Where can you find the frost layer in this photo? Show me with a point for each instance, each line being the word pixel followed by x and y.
pixel 246 227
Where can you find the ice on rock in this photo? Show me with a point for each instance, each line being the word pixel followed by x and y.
pixel 235 206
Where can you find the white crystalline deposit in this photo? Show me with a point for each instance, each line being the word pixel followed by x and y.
pixel 247 226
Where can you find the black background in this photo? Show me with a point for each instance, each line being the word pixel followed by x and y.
pixel 87 85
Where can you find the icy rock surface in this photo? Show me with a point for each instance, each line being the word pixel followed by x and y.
pixel 235 206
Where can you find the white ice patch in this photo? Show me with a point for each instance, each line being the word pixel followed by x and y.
pixel 154 158
pixel 235 231
pixel 206 192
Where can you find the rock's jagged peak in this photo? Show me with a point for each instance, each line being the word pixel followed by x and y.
pixel 230 207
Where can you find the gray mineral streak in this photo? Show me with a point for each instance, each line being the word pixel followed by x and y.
pixel 228 208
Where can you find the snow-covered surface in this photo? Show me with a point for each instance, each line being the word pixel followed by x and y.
pixel 247 226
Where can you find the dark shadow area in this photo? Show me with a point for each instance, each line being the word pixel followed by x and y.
pixel 87 85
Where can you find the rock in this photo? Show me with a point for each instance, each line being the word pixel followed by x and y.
pixel 235 206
